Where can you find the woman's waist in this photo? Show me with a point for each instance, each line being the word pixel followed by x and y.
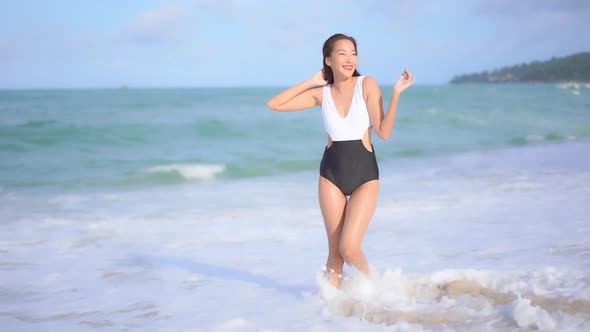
pixel 348 147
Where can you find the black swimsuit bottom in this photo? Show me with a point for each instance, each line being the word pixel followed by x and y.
pixel 348 165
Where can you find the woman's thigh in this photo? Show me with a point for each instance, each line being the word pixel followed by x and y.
pixel 359 211
pixel 333 207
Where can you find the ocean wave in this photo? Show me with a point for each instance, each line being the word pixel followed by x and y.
pixel 534 138
pixel 572 85
pixel 27 123
pixel 189 171
pixel 452 297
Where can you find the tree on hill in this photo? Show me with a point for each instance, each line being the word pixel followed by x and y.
pixel 575 67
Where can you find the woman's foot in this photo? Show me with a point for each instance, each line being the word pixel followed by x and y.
pixel 333 276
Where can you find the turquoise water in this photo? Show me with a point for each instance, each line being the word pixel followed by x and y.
pixel 92 139
pixel 197 209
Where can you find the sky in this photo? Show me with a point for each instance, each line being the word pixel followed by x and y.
pixel 235 43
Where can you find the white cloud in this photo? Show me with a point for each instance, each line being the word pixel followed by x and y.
pixel 155 26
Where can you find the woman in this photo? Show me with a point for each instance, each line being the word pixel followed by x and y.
pixel 351 106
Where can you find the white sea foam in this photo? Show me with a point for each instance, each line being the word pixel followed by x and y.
pixel 451 297
pixel 235 325
pixel 527 315
pixel 572 85
pixel 535 138
pixel 190 171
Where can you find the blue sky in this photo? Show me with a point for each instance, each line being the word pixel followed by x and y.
pixel 109 43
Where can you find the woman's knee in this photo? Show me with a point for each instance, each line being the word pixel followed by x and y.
pixel 349 252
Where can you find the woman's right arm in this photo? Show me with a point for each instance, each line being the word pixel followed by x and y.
pixel 299 97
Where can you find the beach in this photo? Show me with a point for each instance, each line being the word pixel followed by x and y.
pixel 196 210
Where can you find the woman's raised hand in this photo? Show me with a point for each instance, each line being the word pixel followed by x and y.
pixel 318 79
pixel 405 80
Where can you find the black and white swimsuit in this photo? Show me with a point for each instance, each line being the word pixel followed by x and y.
pixel 346 162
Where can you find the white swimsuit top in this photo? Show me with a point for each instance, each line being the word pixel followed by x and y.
pixel 356 122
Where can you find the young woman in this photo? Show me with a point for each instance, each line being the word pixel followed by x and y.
pixel 351 106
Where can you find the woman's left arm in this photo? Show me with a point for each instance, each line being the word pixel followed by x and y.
pixel 383 122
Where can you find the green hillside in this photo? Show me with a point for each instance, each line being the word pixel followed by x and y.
pixel 575 67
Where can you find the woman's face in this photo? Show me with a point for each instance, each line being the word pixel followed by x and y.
pixel 343 59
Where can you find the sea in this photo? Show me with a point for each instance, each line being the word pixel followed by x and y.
pixel 196 209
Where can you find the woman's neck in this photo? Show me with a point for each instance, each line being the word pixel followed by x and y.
pixel 344 83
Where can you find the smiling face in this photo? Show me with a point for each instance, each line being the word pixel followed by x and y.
pixel 343 59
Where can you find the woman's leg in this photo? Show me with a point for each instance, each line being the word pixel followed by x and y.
pixel 359 210
pixel 333 205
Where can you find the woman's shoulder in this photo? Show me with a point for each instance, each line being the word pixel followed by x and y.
pixel 370 84
pixel 368 79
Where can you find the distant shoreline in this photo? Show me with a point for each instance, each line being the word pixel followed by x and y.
pixel 574 68
pixel 278 87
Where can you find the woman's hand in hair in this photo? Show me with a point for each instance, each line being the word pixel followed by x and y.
pixel 319 78
pixel 405 80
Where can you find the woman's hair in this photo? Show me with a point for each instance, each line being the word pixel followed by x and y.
pixel 327 51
